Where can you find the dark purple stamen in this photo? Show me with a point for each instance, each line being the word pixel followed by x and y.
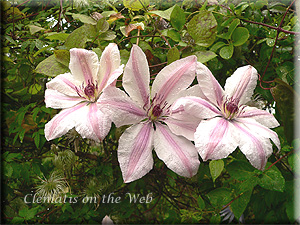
pixel 156 111
pixel 89 90
pixel 232 107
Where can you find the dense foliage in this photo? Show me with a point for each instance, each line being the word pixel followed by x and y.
pixel 224 35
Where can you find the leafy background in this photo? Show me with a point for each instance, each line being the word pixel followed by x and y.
pixel 36 38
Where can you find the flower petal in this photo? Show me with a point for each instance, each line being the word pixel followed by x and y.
pixel 65 84
pixel 94 124
pixel 260 130
pixel 214 138
pixel 178 153
pixel 182 123
pixel 173 78
pixel 136 76
pixel 109 62
pixel 255 147
pixel 135 151
pixel 120 108
pixel 209 85
pixel 65 120
pixel 57 100
pixel 84 65
pixel 241 84
pixel 261 116
pixel 196 106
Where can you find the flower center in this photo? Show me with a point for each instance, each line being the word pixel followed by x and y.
pixel 156 108
pixel 230 108
pixel 90 92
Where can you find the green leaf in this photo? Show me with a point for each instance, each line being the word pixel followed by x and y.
pixel 201 202
pixel 177 18
pixel 215 218
pixel 173 55
pixel 51 67
pixel 217 45
pixel 57 36
pixel 240 170
pixel 272 180
pixel 239 205
pixel 226 52
pixel 174 35
pixel 231 28
pixel 248 184
pixel 62 56
pixel 166 14
pixel 28 214
pixel 34 88
pixel 17 220
pixel 108 35
pixel 136 5
pixel 216 167
pixel 102 25
pixel 219 197
pixel 34 29
pixel 203 28
pixel 7 169
pixel 240 35
pixel 284 94
pixel 77 38
pixel 204 56
pixel 84 18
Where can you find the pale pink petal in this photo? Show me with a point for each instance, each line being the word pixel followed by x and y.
pixel 241 84
pixel 136 76
pixel 113 77
pixel 261 116
pixel 57 100
pixel 196 106
pixel 84 65
pixel 255 147
pixel 65 84
pixel 209 85
pixel 135 151
pixel 173 78
pixel 93 124
pixel 178 153
pixel 120 107
pixel 192 91
pixel 182 123
pixel 109 62
pixel 260 129
pixel 61 123
pixel 214 138
pixel 107 220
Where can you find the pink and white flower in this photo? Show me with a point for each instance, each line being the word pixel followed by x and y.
pixel 155 124
pixel 227 123
pixel 77 94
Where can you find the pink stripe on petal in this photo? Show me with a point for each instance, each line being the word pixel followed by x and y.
pixel 169 84
pixel 257 144
pixel 178 150
pixel 93 119
pixel 138 77
pixel 67 82
pixel 124 106
pixel 216 136
pixel 243 84
pixel 141 142
pixel 62 116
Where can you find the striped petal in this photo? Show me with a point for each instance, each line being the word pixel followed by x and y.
pixel 136 76
pixel 261 116
pixel 241 84
pixel 209 85
pixel 84 65
pixel 178 153
pixel 174 78
pixel 135 151
pixel 61 123
pixel 65 84
pixel 214 138
pixel 197 107
pixel 57 100
pixel 109 63
pixel 120 107
pixel 254 146
pixel 93 124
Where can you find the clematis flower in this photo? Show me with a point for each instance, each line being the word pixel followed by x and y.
pixel 227 123
pixel 229 215
pixel 154 123
pixel 77 94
